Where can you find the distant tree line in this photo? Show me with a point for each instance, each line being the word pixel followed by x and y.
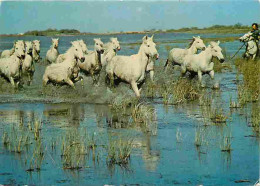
pixel 51 31
pixel 214 27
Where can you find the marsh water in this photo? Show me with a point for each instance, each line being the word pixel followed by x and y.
pixel 166 155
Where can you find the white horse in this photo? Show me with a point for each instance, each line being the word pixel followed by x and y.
pixel 8 53
pixel 251 49
pixel 110 50
pixel 202 63
pixel 10 67
pixel 83 46
pixel 36 50
pixel 27 64
pixel 53 52
pixel 176 55
pixel 92 64
pixel 62 57
pixel 64 72
pixel 132 68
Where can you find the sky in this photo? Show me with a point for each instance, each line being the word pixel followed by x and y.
pixel 116 16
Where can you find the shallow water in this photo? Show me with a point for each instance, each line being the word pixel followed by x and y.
pixel 158 157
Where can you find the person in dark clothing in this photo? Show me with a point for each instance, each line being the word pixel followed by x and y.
pixel 255 34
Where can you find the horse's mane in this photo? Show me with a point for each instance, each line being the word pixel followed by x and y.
pixel 107 48
pixel 191 43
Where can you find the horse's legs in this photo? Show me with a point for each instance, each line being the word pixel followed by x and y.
pixel 135 88
pixel 110 78
pixel 166 64
pixel 70 83
pixel 45 80
pixel 11 79
pixel 183 70
pixel 97 79
pixel 200 76
pixel 254 56
pixel 107 80
pixel 30 75
pixel 93 76
pixel 211 73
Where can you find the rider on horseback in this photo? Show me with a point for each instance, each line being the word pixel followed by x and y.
pixel 255 34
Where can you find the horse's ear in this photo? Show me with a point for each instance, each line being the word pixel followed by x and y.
pixel 193 37
pixel 152 37
pixel 199 37
pixel 218 42
pixel 95 40
pixel 145 38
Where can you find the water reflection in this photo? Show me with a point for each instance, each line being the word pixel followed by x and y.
pixel 90 117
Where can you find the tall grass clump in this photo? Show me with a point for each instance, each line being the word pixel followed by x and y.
pixel 122 103
pixel 185 90
pixel 218 116
pixel 180 91
pixel 15 139
pixel 37 156
pixel 255 119
pixel 73 151
pixel 226 146
pixel 249 88
pixel 119 150
pixel 144 116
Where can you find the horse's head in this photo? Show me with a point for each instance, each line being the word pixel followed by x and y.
pixel 149 47
pixel 77 51
pixel 55 43
pixel 36 45
pixel 19 49
pixel 247 37
pixel 198 43
pixel 83 46
pixel 29 47
pixel 99 46
pixel 216 51
pixel 115 43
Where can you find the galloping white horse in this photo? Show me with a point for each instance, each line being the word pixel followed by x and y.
pixel 83 46
pixel 62 57
pixel 132 68
pixel 10 66
pixel 176 55
pixel 53 52
pixel 36 51
pixel 27 65
pixel 202 63
pixel 8 53
pixel 251 49
pixel 110 51
pixel 64 72
pixel 92 64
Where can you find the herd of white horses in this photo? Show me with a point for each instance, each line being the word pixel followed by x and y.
pixel 65 68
